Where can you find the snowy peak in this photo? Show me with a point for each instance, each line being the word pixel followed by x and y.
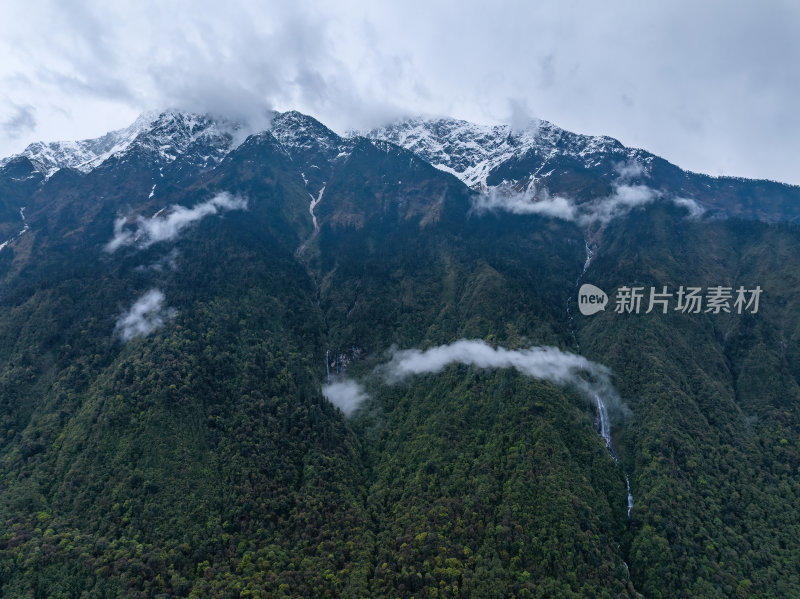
pixel 298 131
pixel 163 136
pixel 314 149
pixel 464 149
pixel 474 152
pixel 174 134
pixel 84 155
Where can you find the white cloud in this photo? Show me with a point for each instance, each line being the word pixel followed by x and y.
pixel 527 202
pixel 600 211
pixel 345 394
pixel 630 170
pixel 695 210
pixel 144 316
pixel 547 363
pixel 167 224
pixel 541 362
pixel 624 199
pixel 169 262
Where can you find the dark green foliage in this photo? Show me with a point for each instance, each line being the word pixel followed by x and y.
pixel 203 461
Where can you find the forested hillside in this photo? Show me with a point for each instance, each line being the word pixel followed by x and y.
pixel 170 318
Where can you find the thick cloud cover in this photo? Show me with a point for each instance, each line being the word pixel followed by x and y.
pixel 711 86
pixel 147 314
pixel 167 224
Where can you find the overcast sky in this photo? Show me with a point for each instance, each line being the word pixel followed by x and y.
pixel 711 86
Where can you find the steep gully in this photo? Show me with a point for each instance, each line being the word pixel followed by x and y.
pixel 25 228
pixel 313 204
pixel 603 422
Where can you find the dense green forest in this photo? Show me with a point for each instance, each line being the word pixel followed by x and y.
pixel 202 459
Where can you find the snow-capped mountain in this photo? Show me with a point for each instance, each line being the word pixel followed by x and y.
pixel 201 140
pixel 476 153
pixel 163 136
pixel 472 152
pixel 172 148
pixel 311 145
pixel 297 131
pixel 84 155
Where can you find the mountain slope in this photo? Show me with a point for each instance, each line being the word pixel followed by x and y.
pixel 543 156
pixel 164 429
pixel 166 136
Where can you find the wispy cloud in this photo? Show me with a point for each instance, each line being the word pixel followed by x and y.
pixel 167 224
pixel 624 199
pixel 21 121
pixel 601 211
pixel 345 394
pixel 145 315
pixel 694 209
pixel 527 202
pixel 169 262
pixel 630 170
pixel 546 363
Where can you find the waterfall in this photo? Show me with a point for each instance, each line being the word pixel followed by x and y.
pixel 630 497
pixel 570 317
pixel 589 256
pixel 604 428
pixel 327 367
pixel 603 421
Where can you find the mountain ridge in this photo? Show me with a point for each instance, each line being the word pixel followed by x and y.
pixel 536 160
pixel 483 147
pixel 170 323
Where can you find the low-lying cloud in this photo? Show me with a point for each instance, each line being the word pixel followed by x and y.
pixel 624 199
pixel 526 202
pixel 345 394
pixel 545 363
pixel 694 209
pixel 601 211
pixel 630 170
pixel 147 314
pixel 167 224
pixel 168 262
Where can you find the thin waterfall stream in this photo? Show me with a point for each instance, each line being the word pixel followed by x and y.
pixel 603 421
